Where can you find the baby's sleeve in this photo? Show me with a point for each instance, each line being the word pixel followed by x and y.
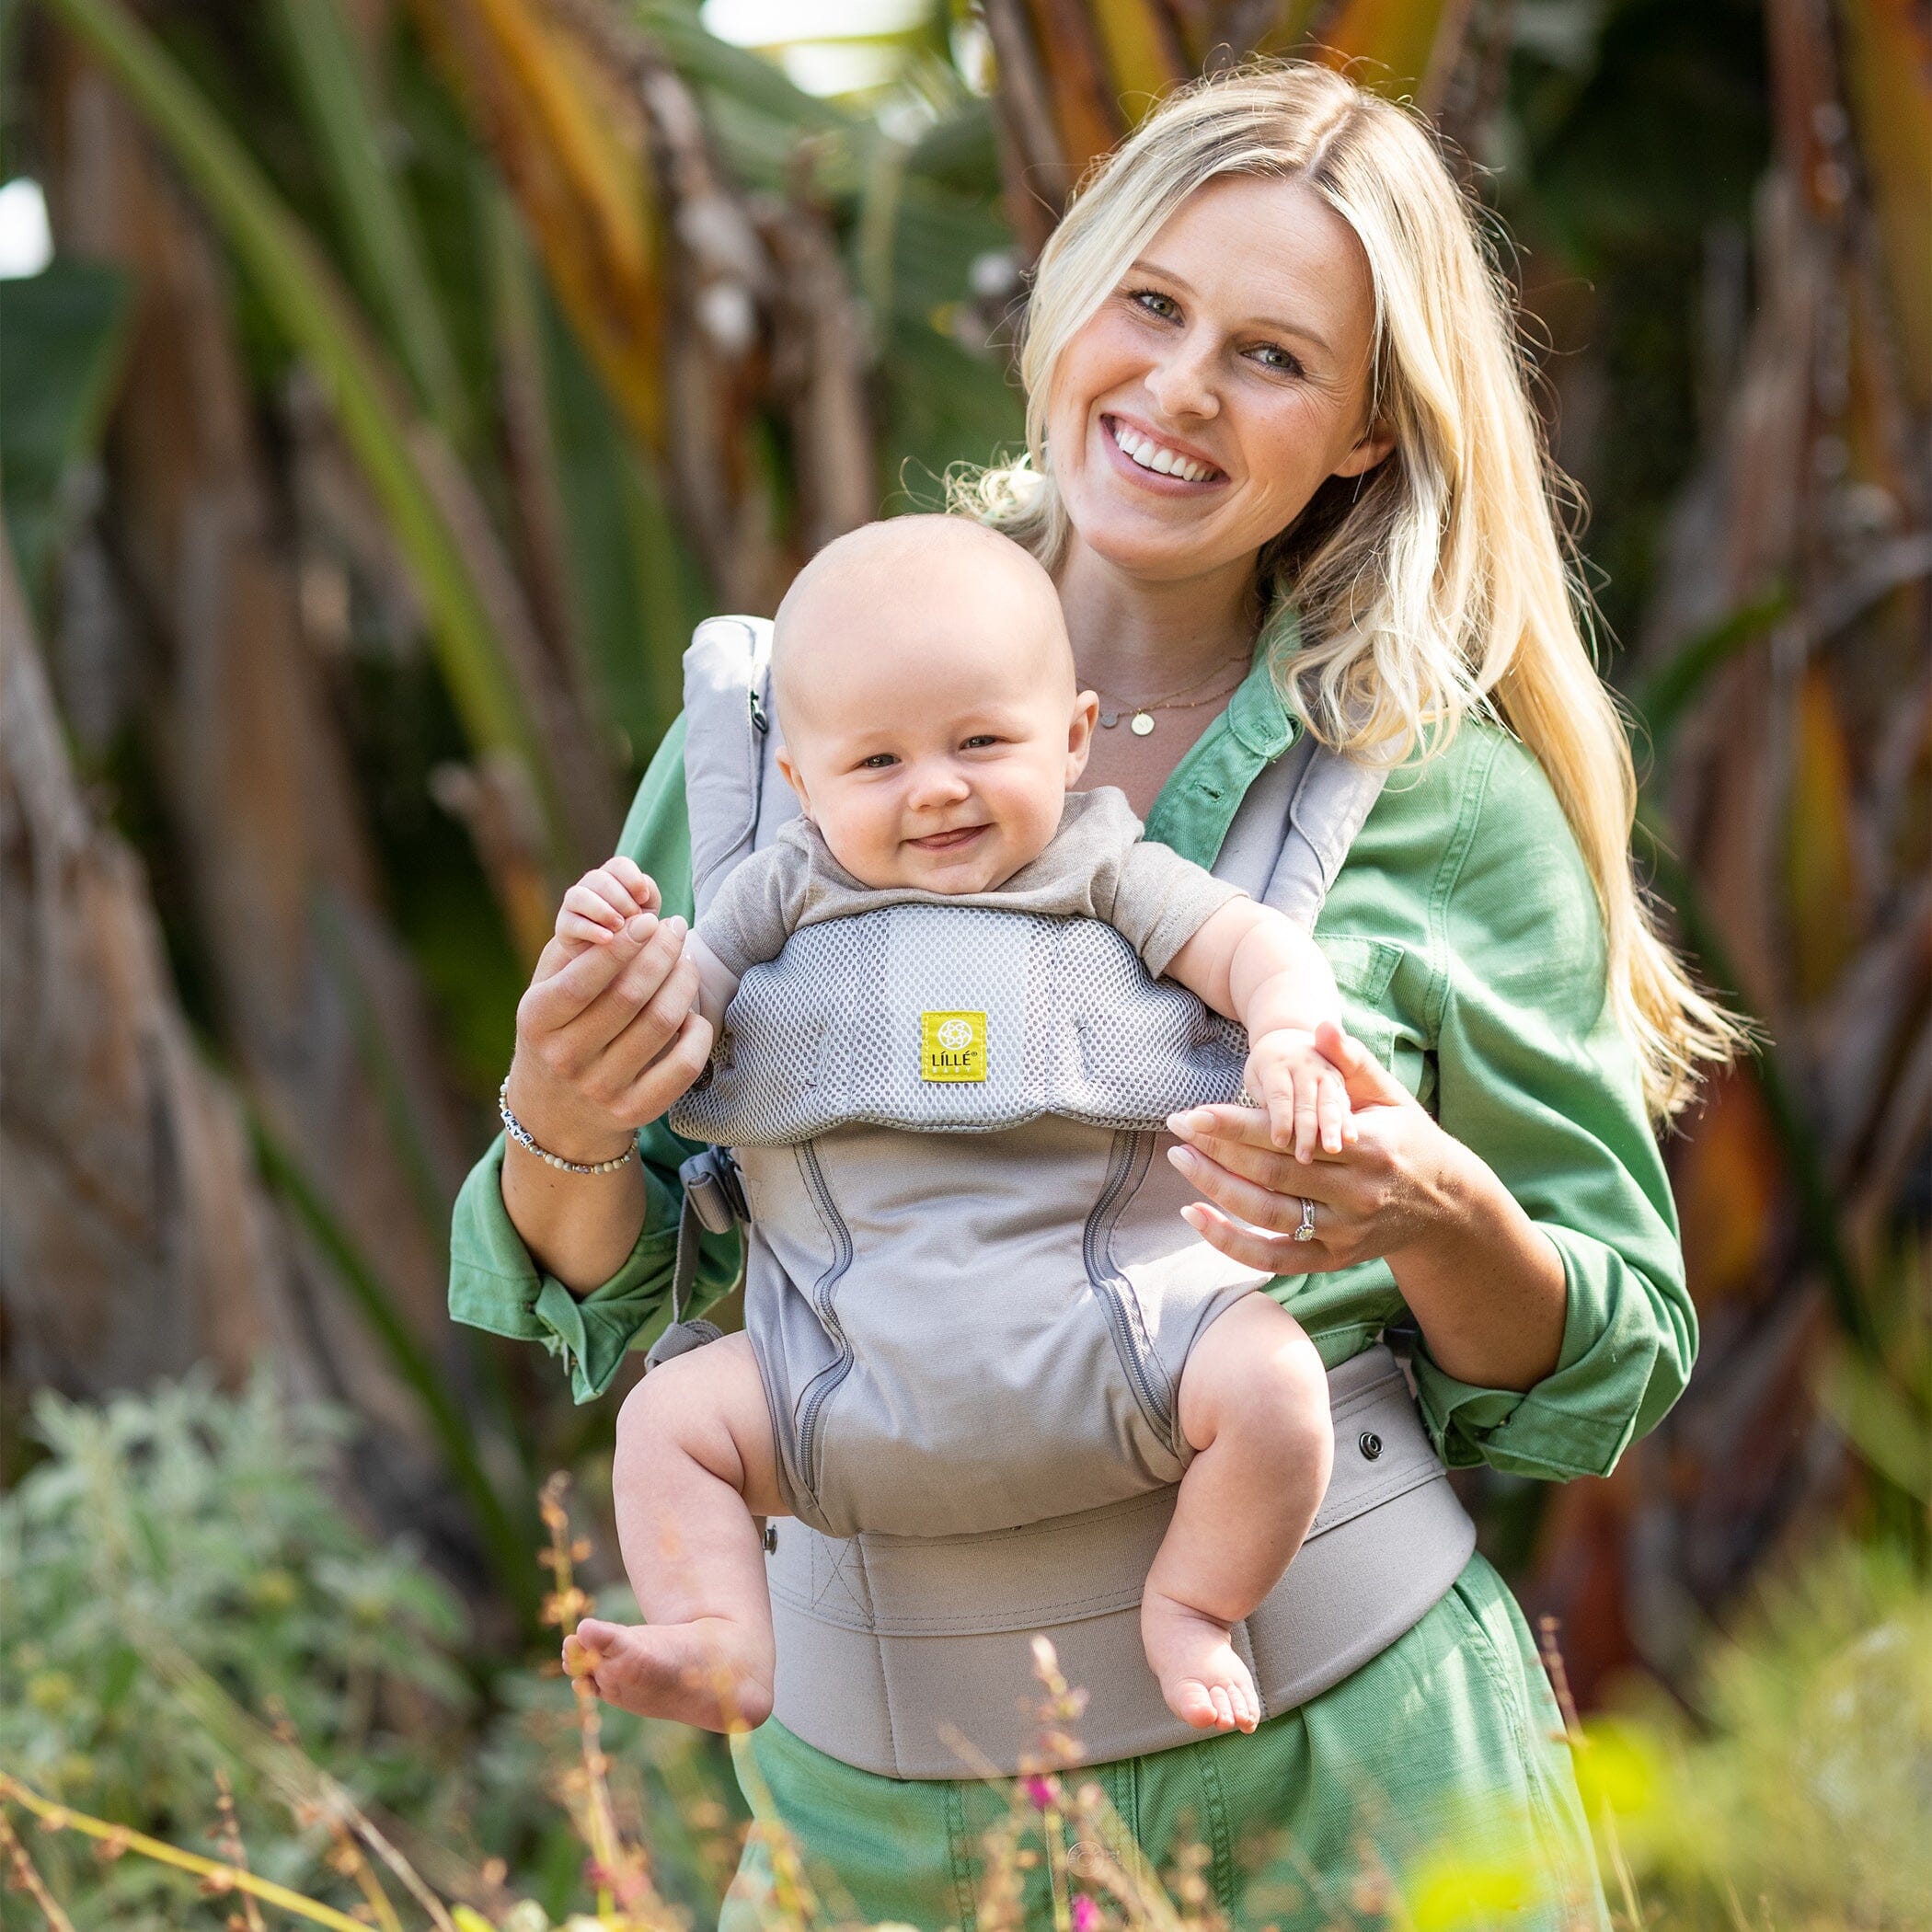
pixel 1162 900
pixel 756 908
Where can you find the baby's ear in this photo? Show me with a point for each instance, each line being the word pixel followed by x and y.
pixel 1080 733
pixel 793 778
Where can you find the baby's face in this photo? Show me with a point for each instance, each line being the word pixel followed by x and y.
pixel 934 749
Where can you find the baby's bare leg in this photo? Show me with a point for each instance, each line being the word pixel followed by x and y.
pixel 1254 1406
pixel 694 1468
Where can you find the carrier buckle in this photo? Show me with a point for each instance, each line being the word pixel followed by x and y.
pixel 713 1190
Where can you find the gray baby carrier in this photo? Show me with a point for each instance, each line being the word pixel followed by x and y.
pixel 970 1292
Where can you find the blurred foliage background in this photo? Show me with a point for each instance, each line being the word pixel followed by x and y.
pixel 401 379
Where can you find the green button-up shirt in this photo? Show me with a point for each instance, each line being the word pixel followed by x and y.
pixel 1466 936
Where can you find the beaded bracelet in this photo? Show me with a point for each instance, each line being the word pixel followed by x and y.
pixel 520 1133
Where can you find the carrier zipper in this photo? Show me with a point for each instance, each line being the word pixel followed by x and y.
pixel 1114 1291
pixel 829 1377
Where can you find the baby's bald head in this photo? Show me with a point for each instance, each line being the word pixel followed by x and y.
pixel 909 586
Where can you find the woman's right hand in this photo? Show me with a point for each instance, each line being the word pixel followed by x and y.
pixel 607 1038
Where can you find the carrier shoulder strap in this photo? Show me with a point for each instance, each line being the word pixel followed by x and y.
pixel 735 797
pixel 729 747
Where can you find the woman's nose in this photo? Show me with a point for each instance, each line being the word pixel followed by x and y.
pixel 1181 382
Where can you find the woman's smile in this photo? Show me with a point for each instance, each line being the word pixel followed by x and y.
pixel 1158 461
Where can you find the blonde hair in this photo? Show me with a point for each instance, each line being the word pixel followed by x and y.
pixel 1437 584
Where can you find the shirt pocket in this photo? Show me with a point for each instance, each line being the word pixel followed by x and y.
pixel 1364 970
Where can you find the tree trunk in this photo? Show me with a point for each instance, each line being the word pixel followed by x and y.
pixel 312 999
pixel 136 1238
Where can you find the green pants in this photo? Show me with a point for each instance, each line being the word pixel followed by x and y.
pixel 1434 1787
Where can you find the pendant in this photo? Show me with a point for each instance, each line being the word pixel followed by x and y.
pixel 1141 723
pixel 1109 719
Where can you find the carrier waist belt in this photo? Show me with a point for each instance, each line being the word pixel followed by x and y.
pixel 911 1656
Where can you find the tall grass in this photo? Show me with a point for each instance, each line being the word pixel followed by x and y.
pixel 220 1705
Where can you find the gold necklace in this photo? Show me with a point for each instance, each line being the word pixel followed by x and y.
pixel 1141 721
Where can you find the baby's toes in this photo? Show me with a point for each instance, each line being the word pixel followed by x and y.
pixel 602 1653
pixel 1194 1702
pixel 1248 1707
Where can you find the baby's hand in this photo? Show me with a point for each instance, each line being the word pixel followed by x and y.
pixel 595 908
pixel 1307 1099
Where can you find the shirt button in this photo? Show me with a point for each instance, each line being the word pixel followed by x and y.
pixel 1370 1443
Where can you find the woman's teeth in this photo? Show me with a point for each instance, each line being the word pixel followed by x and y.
pixel 1156 456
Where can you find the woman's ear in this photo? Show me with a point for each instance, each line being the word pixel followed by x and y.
pixel 794 778
pixel 1376 445
pixel 1080 734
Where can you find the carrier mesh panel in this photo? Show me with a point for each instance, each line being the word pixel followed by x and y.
pixel 1071 1023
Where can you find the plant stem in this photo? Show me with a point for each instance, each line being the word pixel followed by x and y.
pixel 27 1875
pixel 59 1818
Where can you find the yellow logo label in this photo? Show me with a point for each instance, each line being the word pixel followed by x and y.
pixel 952 1046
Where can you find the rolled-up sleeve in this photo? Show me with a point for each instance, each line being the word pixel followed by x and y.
pixel 1535 1075
pixel 494 1283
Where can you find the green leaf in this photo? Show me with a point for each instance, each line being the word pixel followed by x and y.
pixel 636 593
pixel 507 1537
pixel 117 1677
pixel 1887 1428
pixel 62 336
pixel 1662 697
pixel 396 454
pixel 377 224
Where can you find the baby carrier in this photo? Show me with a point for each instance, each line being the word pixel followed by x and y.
pixel 970 1292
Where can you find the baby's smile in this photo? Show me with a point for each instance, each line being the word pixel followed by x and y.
pixel 952 841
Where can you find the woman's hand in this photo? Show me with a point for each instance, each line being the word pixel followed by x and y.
pixel 608 1037
pixel 1374 1198
pixel 1486 1285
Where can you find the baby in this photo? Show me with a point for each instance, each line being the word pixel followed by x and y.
pixel 933 730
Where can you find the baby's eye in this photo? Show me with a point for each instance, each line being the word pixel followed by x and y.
pixel 878 761
pixel 980 742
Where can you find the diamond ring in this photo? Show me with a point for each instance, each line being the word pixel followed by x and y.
pixel 1305 1232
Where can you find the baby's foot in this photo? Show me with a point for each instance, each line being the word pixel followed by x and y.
pixel 711 1672
pixel 1201 1675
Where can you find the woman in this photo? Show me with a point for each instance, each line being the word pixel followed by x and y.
pixel 1283 469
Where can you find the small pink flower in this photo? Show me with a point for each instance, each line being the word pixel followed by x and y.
pixel 1086 1914
pixel 1039 1792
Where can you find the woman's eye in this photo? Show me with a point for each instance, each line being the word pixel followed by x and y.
pixel 1278 359
pixel 1155 304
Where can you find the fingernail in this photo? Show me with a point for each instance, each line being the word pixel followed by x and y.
pixel 642 926
pixel 1185 1158
pixel 675 925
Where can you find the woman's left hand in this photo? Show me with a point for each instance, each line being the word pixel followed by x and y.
pixel 1486 1285
pixel 1391 1189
